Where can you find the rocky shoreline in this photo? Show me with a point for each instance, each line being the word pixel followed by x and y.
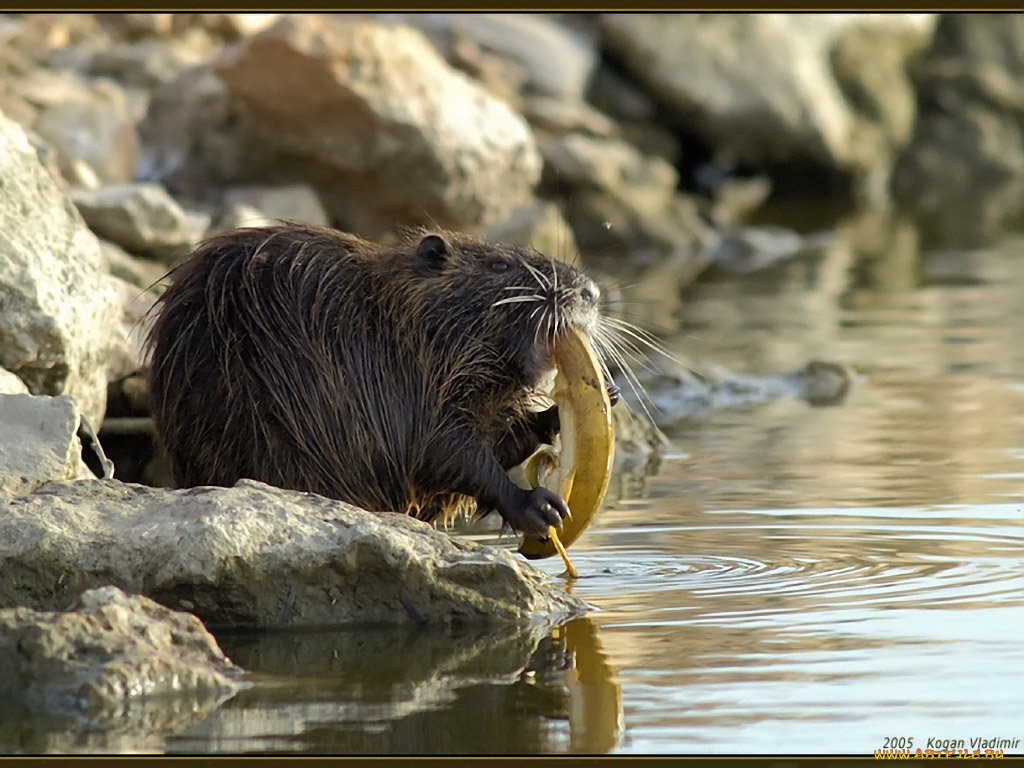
pixel 639 142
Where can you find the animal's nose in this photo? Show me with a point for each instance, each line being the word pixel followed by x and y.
pixel 590 293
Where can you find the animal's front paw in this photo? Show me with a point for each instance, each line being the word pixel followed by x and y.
pixel 541 509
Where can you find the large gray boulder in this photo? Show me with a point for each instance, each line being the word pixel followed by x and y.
pixel 257 555
pixel 372 116
pixel 780 88
pixel 56 300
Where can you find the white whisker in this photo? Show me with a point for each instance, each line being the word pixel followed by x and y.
pixel 609 347
pixel 642 337
pixel 541 279
pixel 518 299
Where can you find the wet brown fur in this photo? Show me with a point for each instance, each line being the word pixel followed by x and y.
pixel 317 361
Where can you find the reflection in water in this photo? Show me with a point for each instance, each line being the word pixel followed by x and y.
pixel 416 691
pixel 594 698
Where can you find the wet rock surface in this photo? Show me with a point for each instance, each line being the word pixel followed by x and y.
pixel 111 659
pixel 678 393
pixel 254 555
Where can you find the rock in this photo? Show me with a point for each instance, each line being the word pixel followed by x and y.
pixel 127 354
pixel 142 218
pixel 110 656
pixel 162 26
pixel 638 447
pixel 238 215
pixel 735 197
pixel 39 442
pixel 92 125
pixel 136 26
pixel 869 63
pixel 611 166
pixel 638 116
pixel 373 117
pixel 821 382
pixel 142 273
pixel 56 300
pixel 128 408
pixel 623 205
pixel 540 226
pixel 560 116
pixel 257 555
pixel 232 26
pixel 970 131
pixel 556 60
pixel 147 63
pixel 11 384
pixel 619 97
pixel 677 393
pixel 723 77
pixel 740 250
pixel 293 202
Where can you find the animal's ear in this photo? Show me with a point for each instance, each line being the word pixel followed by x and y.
pixel 431 255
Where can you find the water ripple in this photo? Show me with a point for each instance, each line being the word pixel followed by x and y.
pixel 757 562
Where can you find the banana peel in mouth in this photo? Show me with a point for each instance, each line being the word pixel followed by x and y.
pixel 579 472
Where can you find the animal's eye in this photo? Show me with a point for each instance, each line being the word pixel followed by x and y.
pixel 498 265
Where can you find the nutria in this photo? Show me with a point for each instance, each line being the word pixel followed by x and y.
pixel 394 378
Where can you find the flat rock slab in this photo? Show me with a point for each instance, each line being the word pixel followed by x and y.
pixel 107 651
pixel 254 555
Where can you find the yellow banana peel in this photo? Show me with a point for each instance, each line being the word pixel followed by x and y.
pixel 579 472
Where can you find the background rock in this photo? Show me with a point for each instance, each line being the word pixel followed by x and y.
pixel 110 655
pixel 90 122
pixel 373 117
pixel 145 63
pixel 39 442
pixel 540 226
pixel 128 355
pixel 140 272
pixel 292 202
pixel 257 555
pixel 55 299
pixel 555 60
pixel 142 218
pixel 759 88
pixel 11 384
pixel 965 168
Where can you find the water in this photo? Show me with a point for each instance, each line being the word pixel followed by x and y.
pixel 792 580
